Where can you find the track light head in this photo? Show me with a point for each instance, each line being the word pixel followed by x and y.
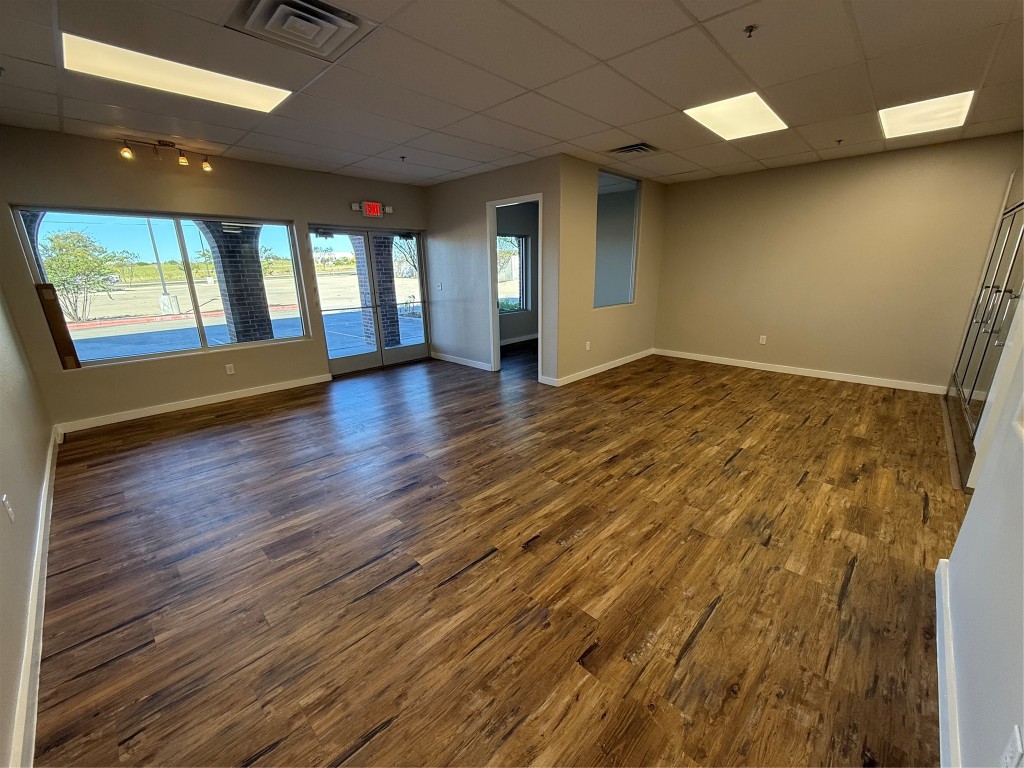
pixel 182 160
pixel 126 152
pixel 206 165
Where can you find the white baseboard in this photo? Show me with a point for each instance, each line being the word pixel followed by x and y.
pixel 462 361
pixel 517 339
pixel 935 389
pixel 562 381
pixel 23 736
pixel 180 405
pixel 949 730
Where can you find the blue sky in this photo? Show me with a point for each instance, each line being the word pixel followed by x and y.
pixel 129 233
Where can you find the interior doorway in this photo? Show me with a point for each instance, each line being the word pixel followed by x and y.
pixel 514 228
pixel 371 297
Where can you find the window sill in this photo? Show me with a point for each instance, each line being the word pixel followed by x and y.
pixel 188 352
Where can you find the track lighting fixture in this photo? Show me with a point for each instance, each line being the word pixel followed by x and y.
pixel 206 165
pixel 126 152
pixel 182 160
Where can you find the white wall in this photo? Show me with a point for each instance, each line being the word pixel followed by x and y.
pixel 25 434
pixel 521 221
pixel 50 169
pixel 986 586
pixel 866 265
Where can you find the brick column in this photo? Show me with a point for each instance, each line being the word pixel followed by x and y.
pixel 384 271
pixel 32 220
pixel 365 291
pixel 236 257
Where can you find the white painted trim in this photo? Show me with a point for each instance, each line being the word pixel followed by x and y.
pixel 935 389
pixel 23 735
pixel 561 382
pixel 949 730
pixel 180 405
pixel 462 361
pixel 517 339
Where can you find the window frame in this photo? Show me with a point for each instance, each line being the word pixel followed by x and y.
pixel 524 276
pixel 634 263
pixel 35 270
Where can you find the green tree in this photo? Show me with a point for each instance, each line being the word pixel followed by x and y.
pixel 204 262
pixel 267 258
pixel 78 267
pixel 403 252
pixel 126 263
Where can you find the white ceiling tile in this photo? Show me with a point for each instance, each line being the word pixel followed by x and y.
pixel 607 28
pixel 28 101
pixel 132 120
pixel 913 74
pixel 631 169
pixel 691 176
pixel 400 59
pixel 686 70
pixel 23 73
pixel 24 40
pixel 116 134
pixel 663 164
pixel 533 111
pixel 585 154
pixel 673 131
pixel 518 159
pixel 923 139
pixel 362 91
pixel 428 159
pixel 605 94
pixel 409 170
pixel 1009 125
pixel 795 38
pixel 213 11
pixel 453 145
pixel 850 150
pixel 158 31
pixel 838 92
pixel 732 170
pixel 375 10
pixel 24 119
pixel 561 148
pixel 855 129
pixel 353 171
pixel 605 140
pixel 714 155
pixel 274 158
pixel 492 36
pixel 997 102
pixel 102 91
pixel 292 148
pixel 1006 67
pixel 774 144
pixel 886 27
pixel 708 9
pixel 284 127
pixel 488 130
pixel 36 11
pixel 329 114
pixel 799 158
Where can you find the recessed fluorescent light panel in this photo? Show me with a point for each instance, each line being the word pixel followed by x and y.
pixel 740 116
pixel 109 61
pixel 924 116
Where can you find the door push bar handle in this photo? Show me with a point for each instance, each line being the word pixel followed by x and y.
pixel 986 302
pixel 989 308
pixel 1002 320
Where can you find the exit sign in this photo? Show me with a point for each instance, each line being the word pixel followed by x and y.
pixel 376 210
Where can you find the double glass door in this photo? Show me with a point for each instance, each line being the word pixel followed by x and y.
pixel 371 297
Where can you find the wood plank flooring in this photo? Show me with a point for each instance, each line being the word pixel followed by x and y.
pixel 672 563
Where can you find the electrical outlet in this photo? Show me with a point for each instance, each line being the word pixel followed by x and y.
pixel 1013 755
pixel 7 505
pixel 229 369
pixel 588 346
pixel 762 340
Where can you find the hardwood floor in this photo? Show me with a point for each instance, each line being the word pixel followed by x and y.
pixel 671 563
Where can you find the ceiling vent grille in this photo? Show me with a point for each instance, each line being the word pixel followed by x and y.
pixel 314 27
pixel 643 148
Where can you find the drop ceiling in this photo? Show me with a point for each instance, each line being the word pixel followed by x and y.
pixel 441 89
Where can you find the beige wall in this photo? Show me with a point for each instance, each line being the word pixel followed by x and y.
pixel 863 266
pixel 457 256
pixel 25 432
pixel 613 332
pixel 42 168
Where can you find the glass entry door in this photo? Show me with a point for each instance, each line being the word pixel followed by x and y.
pixel 371 297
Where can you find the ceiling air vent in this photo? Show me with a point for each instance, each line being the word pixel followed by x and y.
pixel 643 148
pixel 314 27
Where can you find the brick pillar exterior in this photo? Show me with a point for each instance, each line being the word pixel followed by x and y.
pixel 384 272
pixel 236 257
pixel 32 220
pixel 365 291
